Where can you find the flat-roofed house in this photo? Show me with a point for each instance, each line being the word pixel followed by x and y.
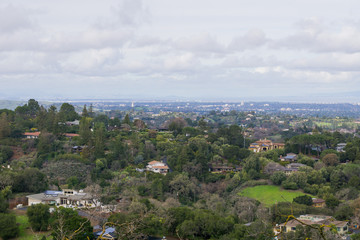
pixel 340 147
pixel 65 198
pixel 290 157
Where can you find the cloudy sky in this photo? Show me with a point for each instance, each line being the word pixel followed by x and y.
pixel 191 49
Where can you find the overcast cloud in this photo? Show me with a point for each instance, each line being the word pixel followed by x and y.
pixel 204 49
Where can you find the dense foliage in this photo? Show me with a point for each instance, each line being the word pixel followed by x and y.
pixel 106 154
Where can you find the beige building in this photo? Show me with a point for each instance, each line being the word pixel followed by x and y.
pixel 318 202
pixel 157 167
pixel 308 219
pixel 65 198
pixel 265 145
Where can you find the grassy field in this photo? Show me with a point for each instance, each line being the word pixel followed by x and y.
pixel 269 195
pixel 25 231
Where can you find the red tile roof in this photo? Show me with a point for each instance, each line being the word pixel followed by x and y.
pixel 161 167
pixel 153 162
pixel 71 135
pixel 32 134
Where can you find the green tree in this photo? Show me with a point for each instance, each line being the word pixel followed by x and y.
pixel 332 202
pixel 4 126
pixel 331 159
pixel 337 179
pixel 47 143
pixel 176 125
pixel 91 111
pixel 127 119
pixel 304 199
pixel 8 227
pixel 85 130
pixel 33 107
pixel 344 212
pixel 354 182
pixel 84 112
pixel 66 223
pixel 39 216
pixel 4 204
pixel 299 178
pixel 176 216
pixel 99 140
pixel 5 154
pixel 30 180
pixel 67 112
pixel 278 177
pixel 72 182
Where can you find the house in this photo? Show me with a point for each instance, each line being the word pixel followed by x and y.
pixel 31 135
pixel 340 147
pixel 157 167
pixel 77 149
pixel 293 167
pixel 290 157
pixel 73 123
pixel 273 167
pixel 71 135
pixel 223 168
pixel 65 198
pixel 265 145
pixel 318 202
pixel 308 219
pixel 109 233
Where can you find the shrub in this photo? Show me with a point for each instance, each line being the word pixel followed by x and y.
pixel 290 185
pixel 304 199
pixel 8 226
pixel 39 216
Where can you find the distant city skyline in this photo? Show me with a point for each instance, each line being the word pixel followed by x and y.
pixel 230 50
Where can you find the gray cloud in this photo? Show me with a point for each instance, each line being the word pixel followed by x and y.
pixel 317 37
pixel 133 47
pixel 13 19
pixel 126 14
pixel 200 43
pixel 252 39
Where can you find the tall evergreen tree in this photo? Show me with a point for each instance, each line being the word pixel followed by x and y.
pixel 91 111
pixel 4 126
pixel 127 119
pixel 85 130
pixel 85 112
pixel 99 140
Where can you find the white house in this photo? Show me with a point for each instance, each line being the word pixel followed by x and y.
pixel 65 198
pixel 157 167
pixel 31 135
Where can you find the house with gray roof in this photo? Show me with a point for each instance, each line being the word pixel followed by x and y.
pixel 65 198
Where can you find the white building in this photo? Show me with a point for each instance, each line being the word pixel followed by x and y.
pixel 65 198
pixel 157 167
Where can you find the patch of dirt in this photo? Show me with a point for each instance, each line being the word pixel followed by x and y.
pixel 18 153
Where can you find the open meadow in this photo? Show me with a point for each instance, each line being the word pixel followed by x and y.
pixel 269 194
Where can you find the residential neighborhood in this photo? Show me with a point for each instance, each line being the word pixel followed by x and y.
pixel 136 171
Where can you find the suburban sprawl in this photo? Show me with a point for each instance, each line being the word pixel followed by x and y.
pixel 179 170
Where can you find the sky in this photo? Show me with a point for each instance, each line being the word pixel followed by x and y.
pixel 277 50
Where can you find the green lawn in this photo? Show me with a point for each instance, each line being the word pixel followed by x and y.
pixel 25 231
pixel 269 195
